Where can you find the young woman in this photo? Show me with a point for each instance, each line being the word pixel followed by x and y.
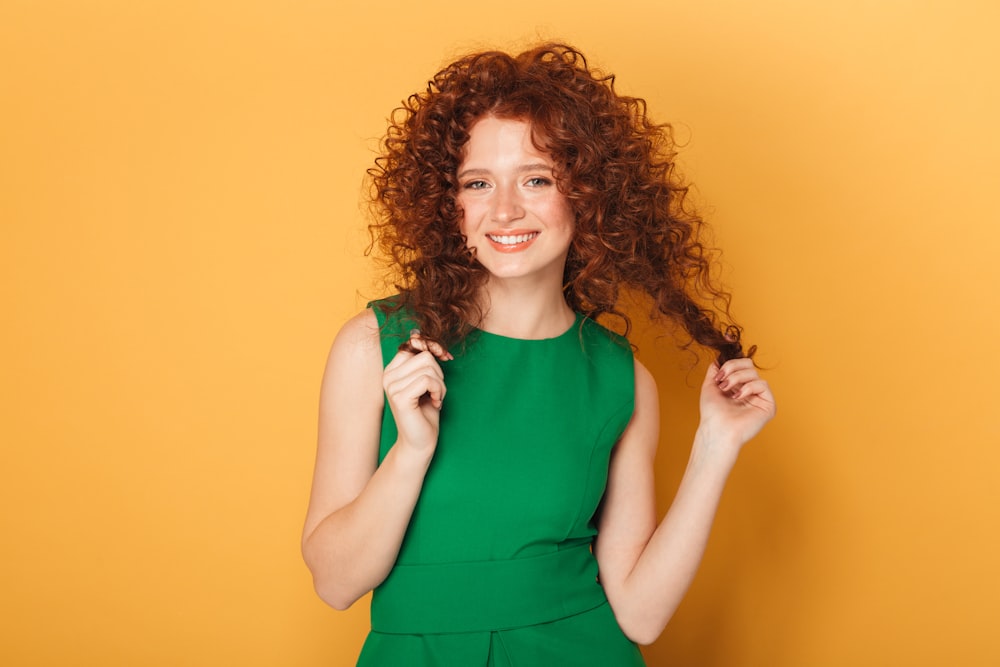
pixel 486 448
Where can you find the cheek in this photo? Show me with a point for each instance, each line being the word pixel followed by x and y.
pixel 465 226
pixel 468 213
pixel 563 212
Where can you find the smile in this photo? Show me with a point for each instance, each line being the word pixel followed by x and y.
pixel 511 240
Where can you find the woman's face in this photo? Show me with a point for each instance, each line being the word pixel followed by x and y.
pixel 514 216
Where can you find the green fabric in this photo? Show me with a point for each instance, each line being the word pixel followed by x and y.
pixel 496 567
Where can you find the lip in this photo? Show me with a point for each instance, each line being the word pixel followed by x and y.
pixel 513 240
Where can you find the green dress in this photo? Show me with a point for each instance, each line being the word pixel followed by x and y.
pixel 496 567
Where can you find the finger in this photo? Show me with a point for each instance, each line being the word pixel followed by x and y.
pixel 418 342
pixel 413 388
pixel 402 356
pixel 736 364
pixel 757 392
pixel 735 379
pixel 732 366
pixel 410 364
pixel 408 352
pixel 712 374
pixel 433 390
pixel 410 388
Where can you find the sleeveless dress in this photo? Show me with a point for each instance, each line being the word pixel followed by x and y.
pixel 496 568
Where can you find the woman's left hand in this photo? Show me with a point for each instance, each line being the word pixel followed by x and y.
pixel 735 402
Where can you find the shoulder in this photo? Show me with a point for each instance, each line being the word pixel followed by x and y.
pixel 599 336
pixel 356 350
pixel 373 335
pixel 641 435
pixel 359 333
pixel 395 320
pixel 383 308
pixel 607 350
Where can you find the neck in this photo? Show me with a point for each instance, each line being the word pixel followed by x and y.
pixel 524 311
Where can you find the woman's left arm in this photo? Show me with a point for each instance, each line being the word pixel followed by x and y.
pixel 646 568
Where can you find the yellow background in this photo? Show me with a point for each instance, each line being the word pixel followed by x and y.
pixel 182 237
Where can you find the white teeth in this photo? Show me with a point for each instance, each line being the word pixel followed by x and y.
pixel 511 240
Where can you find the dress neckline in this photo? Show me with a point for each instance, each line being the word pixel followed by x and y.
pixel 577 321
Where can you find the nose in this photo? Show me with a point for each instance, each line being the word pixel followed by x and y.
pixel 507 204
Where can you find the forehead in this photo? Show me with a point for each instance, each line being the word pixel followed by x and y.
pixel 491 138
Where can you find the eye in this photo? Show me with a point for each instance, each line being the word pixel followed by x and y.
pixel 538 181
pixel 475 185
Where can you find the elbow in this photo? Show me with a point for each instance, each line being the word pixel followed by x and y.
pixel 333 595
pixel 643 636
pixel 330 588
pixel 641 627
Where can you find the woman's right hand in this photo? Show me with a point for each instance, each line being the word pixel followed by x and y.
pixel 414 386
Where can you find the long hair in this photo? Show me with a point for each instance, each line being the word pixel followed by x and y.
pixel 634 236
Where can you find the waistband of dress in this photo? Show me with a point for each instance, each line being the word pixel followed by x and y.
pixel 490 595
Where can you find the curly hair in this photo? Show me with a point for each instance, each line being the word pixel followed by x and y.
pixel 634 236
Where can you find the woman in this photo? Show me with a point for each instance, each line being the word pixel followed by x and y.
pixel 485 458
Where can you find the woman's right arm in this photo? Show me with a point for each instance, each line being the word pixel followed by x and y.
pixel 358 509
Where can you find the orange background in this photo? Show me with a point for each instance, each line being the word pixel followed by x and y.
pixel 182 237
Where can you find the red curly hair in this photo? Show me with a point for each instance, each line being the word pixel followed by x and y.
pixel 633 236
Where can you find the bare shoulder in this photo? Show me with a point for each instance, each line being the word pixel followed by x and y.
pixel 357 344
pixel 354 368
pixel 360 332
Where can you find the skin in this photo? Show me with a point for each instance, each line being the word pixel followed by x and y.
pixel 359 511
pixel 507 192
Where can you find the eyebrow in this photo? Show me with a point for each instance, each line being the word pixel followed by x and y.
pixel 533 166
